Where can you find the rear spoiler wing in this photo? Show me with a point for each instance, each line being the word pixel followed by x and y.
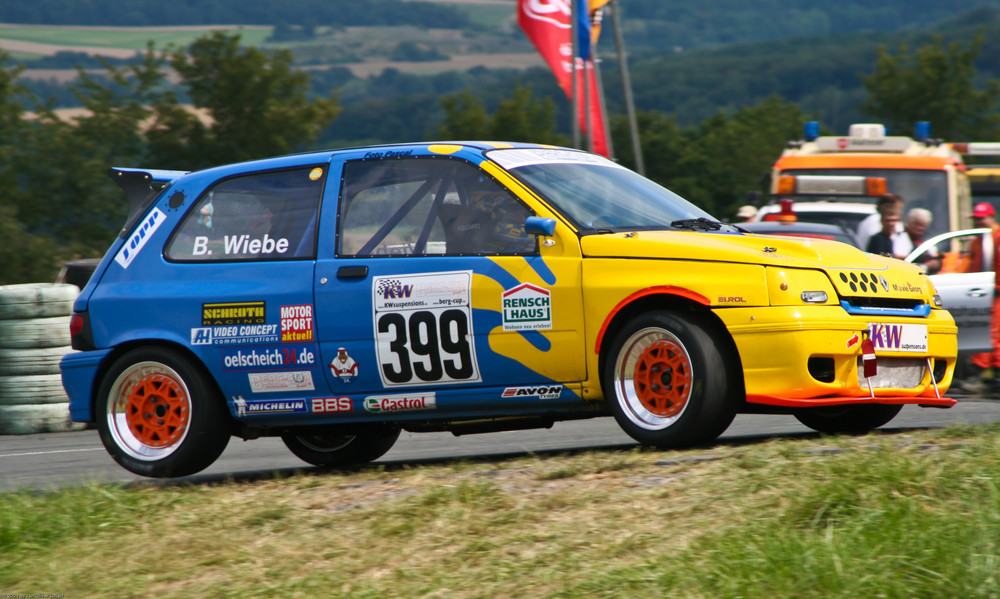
pixel 141 186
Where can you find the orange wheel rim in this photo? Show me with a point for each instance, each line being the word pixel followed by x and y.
pixel 662 378
pixel 157 411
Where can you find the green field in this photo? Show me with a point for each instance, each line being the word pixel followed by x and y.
pixel 128 38
pixel 896 514
pixel 491 15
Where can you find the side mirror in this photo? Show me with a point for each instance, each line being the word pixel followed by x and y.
pixel 538 225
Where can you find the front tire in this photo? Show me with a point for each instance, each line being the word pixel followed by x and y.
pixel 848 420
pixel 668 384
pixel 161 416
pixel 330 449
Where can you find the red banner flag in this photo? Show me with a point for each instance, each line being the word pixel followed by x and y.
pixel 547 25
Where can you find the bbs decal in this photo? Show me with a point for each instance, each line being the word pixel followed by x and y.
pixel 423 329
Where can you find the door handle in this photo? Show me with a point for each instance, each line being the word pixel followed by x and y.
pixel 352 272
pixel 976 292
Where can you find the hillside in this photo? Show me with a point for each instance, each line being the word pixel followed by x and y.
pixel 662 24
pixel 821 73
pixel 720 54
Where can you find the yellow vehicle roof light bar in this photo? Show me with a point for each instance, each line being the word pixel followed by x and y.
pixel 831 185
pixel 978 148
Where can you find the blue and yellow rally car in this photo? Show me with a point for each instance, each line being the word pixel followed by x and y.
pixel 336 298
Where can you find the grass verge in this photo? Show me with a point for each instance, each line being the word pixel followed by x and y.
pixel 913 514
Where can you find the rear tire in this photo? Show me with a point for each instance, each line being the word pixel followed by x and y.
pixel 333 449
pixel 160 415
pixel 848 420
pixel 667 383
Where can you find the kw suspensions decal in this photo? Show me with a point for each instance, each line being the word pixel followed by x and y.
pixel 423 329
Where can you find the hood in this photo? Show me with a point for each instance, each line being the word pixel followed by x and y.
pixel 853 272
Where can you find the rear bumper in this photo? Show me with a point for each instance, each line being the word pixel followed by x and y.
pixel 79 376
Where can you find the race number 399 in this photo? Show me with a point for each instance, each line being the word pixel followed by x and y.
pixel 423 329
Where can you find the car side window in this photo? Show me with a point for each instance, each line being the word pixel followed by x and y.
pixel 263 216
pixel 427 207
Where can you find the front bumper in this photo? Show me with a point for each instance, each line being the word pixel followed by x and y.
pixel 809 356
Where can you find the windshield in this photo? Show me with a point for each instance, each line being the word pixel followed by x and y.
pixel 918 188
pixel 598 195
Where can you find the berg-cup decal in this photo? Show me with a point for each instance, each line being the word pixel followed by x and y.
pixel 423 329
pixel 527 307
pixel 138 239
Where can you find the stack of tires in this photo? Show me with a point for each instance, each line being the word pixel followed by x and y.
pixel 34 336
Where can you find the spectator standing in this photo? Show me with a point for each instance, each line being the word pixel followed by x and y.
pixel 746 213
pixel 914 226
pixel 873 223
pixel 884 241
pixel 986 365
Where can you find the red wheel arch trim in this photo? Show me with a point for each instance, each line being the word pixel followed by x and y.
pixel 657 290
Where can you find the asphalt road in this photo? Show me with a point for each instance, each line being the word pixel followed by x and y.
pixel 54 460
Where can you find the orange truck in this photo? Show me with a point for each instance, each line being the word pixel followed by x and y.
pixel 866 162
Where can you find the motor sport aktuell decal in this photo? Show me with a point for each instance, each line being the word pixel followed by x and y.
pixel 423 329
pixel 297 323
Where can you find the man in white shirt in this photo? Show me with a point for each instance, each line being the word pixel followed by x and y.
pixel 873 223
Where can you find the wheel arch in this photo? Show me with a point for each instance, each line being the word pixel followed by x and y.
pixel 124 348
pixel 677 303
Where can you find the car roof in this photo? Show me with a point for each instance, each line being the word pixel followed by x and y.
pixel 801 229
pixel 821 206
pixel 777 225
pixel 142 186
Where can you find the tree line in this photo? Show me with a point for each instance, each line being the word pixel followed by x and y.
pixel 57 202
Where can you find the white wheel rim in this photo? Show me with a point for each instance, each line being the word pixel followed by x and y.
pixel 131 428
pixel 635 401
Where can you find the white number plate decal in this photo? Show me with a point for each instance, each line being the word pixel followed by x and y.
pixel 423 329
pixel 898 337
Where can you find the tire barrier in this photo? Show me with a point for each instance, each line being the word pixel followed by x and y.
pixel 32 419
pixel 34 336
pixel 37 300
